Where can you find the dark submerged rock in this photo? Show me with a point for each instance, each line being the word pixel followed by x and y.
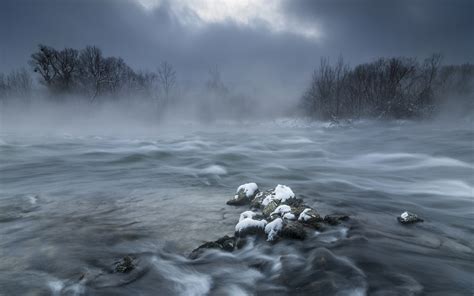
pixel 237 202
pixel 312 224
pixel 125 265
pixel 293 230
pixel 225 243
pixel 409 218
pixel 335 219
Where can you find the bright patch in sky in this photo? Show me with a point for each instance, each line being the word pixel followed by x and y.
pixel 247 13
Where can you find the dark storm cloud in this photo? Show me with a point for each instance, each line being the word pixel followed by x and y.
pixel 370 28
pixel 360 30
pixel 144 38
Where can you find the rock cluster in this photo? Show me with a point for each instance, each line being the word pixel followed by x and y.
pixel 277 213
pixel 274 214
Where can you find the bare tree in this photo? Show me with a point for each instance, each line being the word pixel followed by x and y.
pixel 214 83
pixel 57 68
pixel 166 79
pixel 119 76
pixel 394 87
pixel 19 83
pixel 429 72
pixel 93 71
pixel 341 72
pixel 3 86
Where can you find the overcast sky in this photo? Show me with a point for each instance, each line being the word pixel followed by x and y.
pixel 272 42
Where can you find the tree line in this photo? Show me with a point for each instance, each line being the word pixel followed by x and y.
pixel 396 87
pixel 17 83
pixel 87 73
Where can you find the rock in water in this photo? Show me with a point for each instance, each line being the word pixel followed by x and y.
pixel 269 208
pixel 297 205
pixel 293 230
pixel 281 210
pixel 259 198
pixel 283 193
pixel 244 195
pixel 125 265
pixel 273 229
pixel 225 243
pixel 310 217
pixel 335 219
pixel 409 218
pixel 248 226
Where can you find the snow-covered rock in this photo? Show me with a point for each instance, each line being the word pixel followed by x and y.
pixel 308 214
pixel 409 218
pixel 247 214
pixel 245 194
pixel 289 216
pixel 281 210
pixel 310 217
pixel 269 208
pixel 248 189
pixel 249 226
pixel 267 200
pixel 280 194
pixel 256 203
pixel 273 228
pixel 283 193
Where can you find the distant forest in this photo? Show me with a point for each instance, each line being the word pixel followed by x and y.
pixel 87 76
pixel 86 73
pixel 385 88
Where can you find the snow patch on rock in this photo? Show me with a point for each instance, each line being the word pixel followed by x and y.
pixel 281 210
pixel 249 189
pixel 250 223
pixel 282 193
pixel 304 215
pixel 247 215
pixel 273 228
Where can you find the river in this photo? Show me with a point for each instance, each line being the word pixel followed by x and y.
pixel 73 203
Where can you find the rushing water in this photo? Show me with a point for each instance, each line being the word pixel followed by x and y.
pixel 72 204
